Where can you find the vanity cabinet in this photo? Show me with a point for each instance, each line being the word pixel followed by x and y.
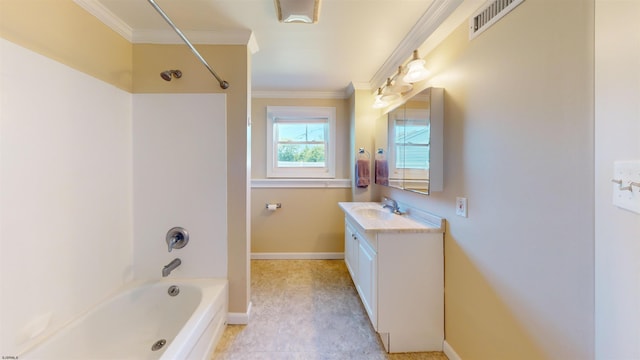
pixel 399 276
pixel 361 258
pixel 351 250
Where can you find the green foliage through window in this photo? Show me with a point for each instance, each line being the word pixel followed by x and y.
pixel 301 144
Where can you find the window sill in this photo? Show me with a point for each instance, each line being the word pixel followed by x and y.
pixel 300 183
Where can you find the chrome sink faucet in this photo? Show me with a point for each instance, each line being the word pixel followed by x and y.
pixel 167 269
pixel 391 205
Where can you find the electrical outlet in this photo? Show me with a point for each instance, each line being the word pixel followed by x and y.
pixel 461 206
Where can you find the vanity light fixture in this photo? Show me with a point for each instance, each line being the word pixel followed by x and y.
pixel 388 94
pixel 415 69
pixel 298 11
pixel 378 103
pixel 401 82
pixel 399 85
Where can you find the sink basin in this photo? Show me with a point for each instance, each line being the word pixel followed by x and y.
pixel 374 213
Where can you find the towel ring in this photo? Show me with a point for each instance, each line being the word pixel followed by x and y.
pixel 362 153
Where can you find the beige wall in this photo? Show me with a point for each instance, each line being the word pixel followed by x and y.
pixel 62 31
pixel 519 129
pixel 363 129
pixel 617 121
pixel 309 220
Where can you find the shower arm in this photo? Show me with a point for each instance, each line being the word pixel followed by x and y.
pixel 223 84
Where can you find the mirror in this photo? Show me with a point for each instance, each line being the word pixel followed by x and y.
pixel 409 144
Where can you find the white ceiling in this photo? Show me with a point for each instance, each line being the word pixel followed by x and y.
pixel 352 41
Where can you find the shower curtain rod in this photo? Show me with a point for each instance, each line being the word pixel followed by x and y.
pixel 223 84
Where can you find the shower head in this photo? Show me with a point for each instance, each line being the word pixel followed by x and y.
pixel 166 75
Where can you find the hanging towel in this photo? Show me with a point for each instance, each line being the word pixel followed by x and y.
pixel 363 177
pixel 382 172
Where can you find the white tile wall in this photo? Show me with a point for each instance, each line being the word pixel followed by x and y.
pixel 179 180
pixel 65 194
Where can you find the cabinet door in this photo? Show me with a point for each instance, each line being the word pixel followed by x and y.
pixel 350 250
pixel 368 280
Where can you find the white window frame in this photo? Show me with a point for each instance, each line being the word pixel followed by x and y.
pixel 277 114
pixel 399 172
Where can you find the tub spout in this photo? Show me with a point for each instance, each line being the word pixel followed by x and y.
pixel 167 269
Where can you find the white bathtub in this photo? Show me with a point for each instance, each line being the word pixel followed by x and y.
pixel 127 325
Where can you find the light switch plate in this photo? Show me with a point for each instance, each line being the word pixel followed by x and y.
pixel 626 196
pixel 461 206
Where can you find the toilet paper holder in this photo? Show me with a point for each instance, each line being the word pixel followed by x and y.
pixel 278 205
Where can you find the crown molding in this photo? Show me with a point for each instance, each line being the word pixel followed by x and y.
pixel 252 44
pixel 353 86
pixel 95 8
pixel 349 90
pixel 361 86
pixel 435 15
pixel 227 37
pixel 168 36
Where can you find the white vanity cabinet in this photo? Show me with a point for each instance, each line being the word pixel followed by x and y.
pixel 360 258
pixel 351 250
pixel 399 275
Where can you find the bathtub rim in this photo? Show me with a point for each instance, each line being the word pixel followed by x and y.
pixel 209 287
pixel 185 341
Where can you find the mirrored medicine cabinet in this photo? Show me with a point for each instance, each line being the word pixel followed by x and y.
pixel 409 144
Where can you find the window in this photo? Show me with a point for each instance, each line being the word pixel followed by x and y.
pixel 300 142
pixel 411 145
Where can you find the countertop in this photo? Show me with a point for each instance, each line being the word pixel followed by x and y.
pixel 364 214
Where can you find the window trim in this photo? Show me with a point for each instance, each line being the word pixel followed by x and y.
pixel 284 113
pixel 400 172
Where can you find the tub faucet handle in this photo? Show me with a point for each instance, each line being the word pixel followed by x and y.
pixel 172 243
pixel 177 238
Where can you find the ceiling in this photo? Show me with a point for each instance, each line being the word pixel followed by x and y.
pixel 355 41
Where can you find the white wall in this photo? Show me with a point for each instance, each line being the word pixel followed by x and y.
pixel 518 143
pixel 179 180
pixel 65 194
pixel 617 138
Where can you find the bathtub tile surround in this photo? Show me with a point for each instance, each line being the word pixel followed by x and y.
pixel 179 152
pixel 305 309
pixel 65 139
pixel 109 163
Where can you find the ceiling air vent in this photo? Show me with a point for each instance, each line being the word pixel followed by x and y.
pixel 489 14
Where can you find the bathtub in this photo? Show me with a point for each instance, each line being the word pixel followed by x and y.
pixel 129 324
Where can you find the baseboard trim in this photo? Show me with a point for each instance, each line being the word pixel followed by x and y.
pixel 239 318
pixel 448 350
pixel 298 256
